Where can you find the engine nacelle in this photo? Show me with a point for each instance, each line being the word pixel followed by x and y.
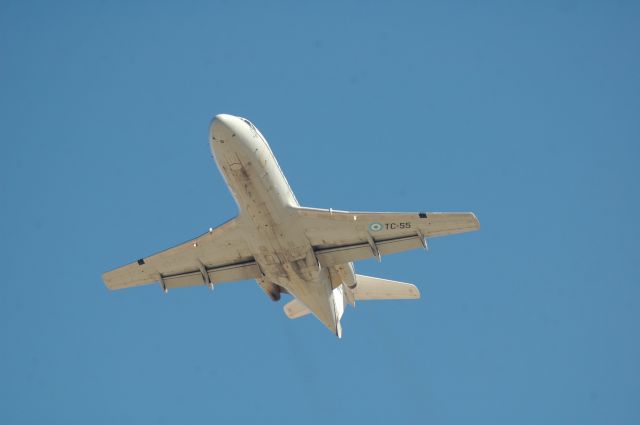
pixel 271 289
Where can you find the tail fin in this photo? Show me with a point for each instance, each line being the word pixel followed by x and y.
pixel 367 288
pixel 374 288
pixel 295 309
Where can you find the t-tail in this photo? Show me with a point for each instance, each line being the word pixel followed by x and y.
pixel 366 288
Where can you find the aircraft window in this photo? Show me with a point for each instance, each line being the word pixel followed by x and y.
pixel 247 122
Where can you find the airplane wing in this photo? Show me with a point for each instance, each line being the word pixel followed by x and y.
pixel 220 255
pixel 339 237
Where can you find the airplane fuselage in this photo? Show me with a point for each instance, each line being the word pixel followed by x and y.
pixel 266 202
pixel 288 248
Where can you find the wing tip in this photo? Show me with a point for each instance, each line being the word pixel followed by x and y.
pixel 476 222
pixel 415 292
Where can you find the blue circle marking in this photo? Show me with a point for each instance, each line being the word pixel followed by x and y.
pixel 375 227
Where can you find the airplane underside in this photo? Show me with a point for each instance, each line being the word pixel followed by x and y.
pixel 311 284
pixel 305 252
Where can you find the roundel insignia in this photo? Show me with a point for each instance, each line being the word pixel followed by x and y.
pixel 375 227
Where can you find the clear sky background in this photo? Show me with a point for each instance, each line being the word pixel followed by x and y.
pixel 526 113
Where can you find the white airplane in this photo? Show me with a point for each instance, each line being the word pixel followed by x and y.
pixel 286 248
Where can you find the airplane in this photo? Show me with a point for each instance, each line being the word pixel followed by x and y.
pixel 287 248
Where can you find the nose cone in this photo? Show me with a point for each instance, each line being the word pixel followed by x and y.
pixel 221 127
pixel 223 119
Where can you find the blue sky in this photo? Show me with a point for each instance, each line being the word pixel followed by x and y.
pixel 524 112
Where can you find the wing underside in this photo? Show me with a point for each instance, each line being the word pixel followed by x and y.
pixel 339 237
pixel 219 255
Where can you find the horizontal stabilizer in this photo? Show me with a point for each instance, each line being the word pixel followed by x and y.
pixel 373 288
pixel 295 309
